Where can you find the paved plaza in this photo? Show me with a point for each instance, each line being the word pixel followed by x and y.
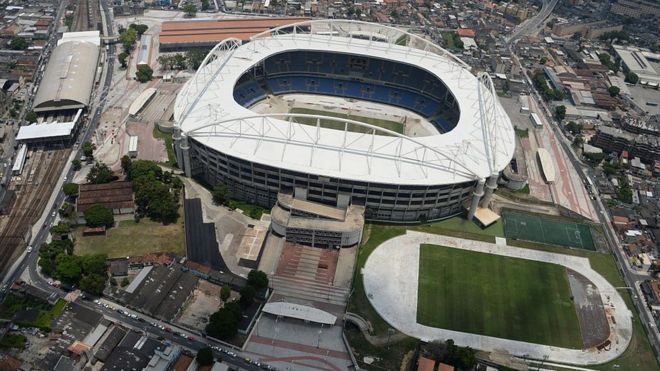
pixel 391 276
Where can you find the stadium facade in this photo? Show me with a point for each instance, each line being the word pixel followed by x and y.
pixel 397 178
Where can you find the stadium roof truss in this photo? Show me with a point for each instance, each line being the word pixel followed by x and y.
pixel 473 150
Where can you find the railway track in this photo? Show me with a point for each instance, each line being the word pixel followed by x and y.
pixel 82 16
pixel 30 201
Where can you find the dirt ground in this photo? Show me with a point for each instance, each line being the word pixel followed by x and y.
pixel 204 302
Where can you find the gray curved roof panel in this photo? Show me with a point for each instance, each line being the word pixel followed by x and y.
pixel 69 77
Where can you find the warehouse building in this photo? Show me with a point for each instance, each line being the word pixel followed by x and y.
pixel 182 35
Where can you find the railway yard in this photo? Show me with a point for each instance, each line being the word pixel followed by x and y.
pixel 31 192
pixel 86 15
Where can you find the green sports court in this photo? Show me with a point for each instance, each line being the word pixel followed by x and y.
pixel 547 229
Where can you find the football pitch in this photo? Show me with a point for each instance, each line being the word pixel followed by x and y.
pixel 545 229
pixel 385 124
pixel 497 296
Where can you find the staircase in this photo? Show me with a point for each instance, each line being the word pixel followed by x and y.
pixel 307 290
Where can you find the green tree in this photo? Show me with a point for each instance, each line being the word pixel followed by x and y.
pixel 190 10
pixel 113 281
pixel 123 59
pixel 574 128
pixel 127 38
pixel 70 189
pixel 613 90
pixel 31 117
pixel 632 78
pixel 195 57
pixel 220 193
pixel 578 140
pixel 76 165
pixel 98 215
pixel 225 293
pixel 100 173
pixel 204 356
pixel 60 229
pixel 258 279
pixel 139 28
pixel 543 60
pixel 67 268
pixel 560 112
pixel 595 157
pixel 124 282
pixel 18 43
pixel 126 165
pixel 206 5
pixel 144 73
pixel 93 284
pixel 94 264
pixel 88 149
pixel 223 324
pixel 247 296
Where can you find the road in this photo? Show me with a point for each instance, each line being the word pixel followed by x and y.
pixel 533 23
pixel 632 278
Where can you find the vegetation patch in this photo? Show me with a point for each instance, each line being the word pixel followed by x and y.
pixel 13 341
pixel 169 145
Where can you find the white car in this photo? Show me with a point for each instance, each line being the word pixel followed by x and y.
pixel 29 249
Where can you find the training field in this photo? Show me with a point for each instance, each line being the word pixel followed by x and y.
pixel 385 124
pixel 545 229
pixel 498 296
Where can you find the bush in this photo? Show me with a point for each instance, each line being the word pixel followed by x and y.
pixel 632 78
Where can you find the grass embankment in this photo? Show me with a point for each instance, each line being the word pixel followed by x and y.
pixel 169 145
pixel 496 296
pixel 337 125
pixel 131 238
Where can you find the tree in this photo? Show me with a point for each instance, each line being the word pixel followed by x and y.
pixel 205 5
pixel 126 165
pixel 204 356
pixel 247 296
pixel 144 73
pixel 94 264
pixel 225 293
pixel 67 268
pixel 223 324
pixel 124 282
pixel 574 128
pixel 595 157
pixel 613 90
pixel 98 215
pixel 578 141
pixel 88 149
pixel 31 117
pixel 76 165
pixel 100 173
pixel 195 57
pixel 93 284
pixel 123 59
pixel 139 28
pixel 220 193
pixel 190 10
pixel 560 112
pixel 258 279
pixel 18 43
pixel 70 189
pixel 128 37
pixel 543 60
pixel 60 229
pixel 632 78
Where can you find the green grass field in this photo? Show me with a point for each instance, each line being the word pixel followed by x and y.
pixel 546 229
pixel 129 238
pixel 385 124
pixel 496 296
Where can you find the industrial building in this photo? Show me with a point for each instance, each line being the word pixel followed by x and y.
pixel 182 35
pixel 69 77
pixel 644 146
pixel 635 60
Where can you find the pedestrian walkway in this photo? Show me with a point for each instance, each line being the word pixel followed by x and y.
pixel 390 278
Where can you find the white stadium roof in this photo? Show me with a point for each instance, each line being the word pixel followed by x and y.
pixel 481 144
pixel 302 312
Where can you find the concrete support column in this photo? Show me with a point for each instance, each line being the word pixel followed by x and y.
pixel 476 196
pixel 185 155
pixel 176 136
pixel 491 186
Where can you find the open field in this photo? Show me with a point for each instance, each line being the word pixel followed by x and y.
pixel 385 124
pixel 129 238
pixel 546 229
pixel 496 296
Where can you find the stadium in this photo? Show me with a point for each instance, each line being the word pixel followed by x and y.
pixel 441 155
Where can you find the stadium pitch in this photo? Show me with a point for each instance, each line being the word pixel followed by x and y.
pixel 385 124
pixel 497 296
pixel 548 230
